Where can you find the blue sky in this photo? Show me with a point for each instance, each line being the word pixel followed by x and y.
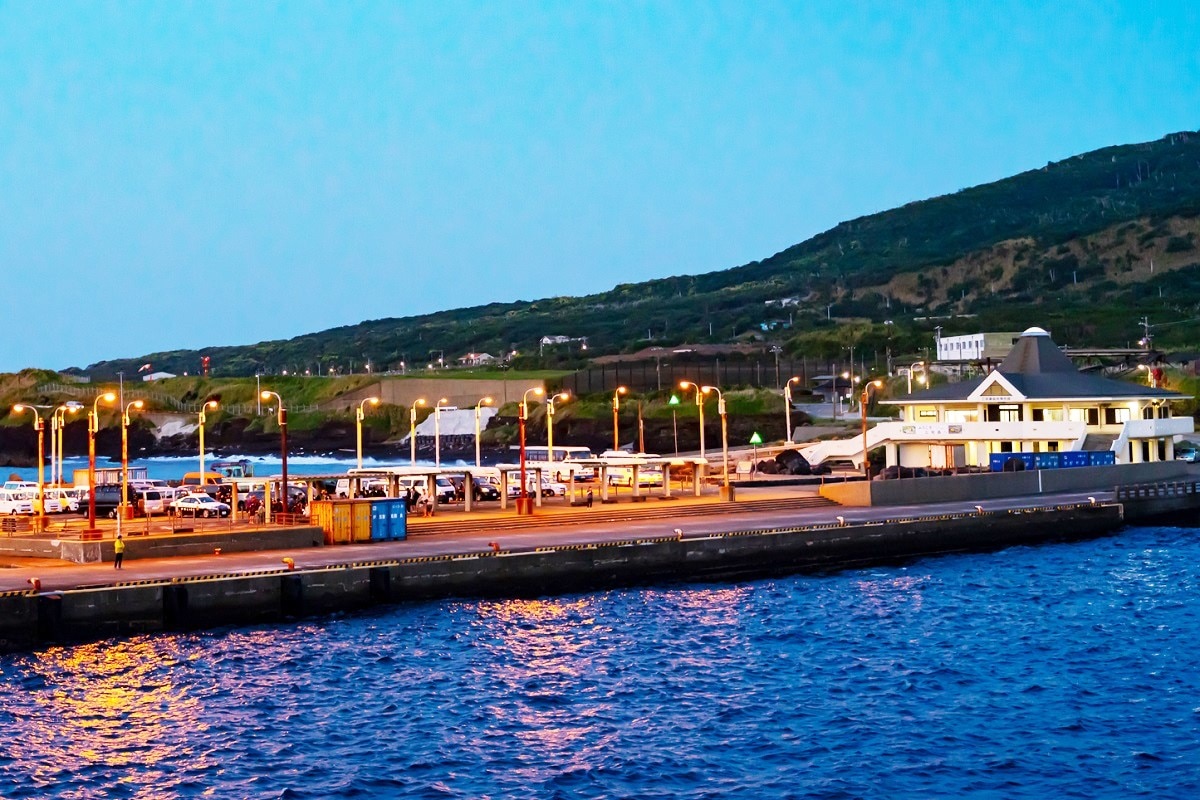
pixel 185 175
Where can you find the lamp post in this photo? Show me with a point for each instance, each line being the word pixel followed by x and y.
pixel 787 405
pixel 412 431
pixel 563 396
pixel 685 385
pixel 93 426
pixel 523 505
pixel 674 401
pixel 138 404
pixel 724 432
pixel 912 367
pixel 40 426
pixel 60 417
pixel 437 432
pixel 862 405
pixel 485 401
pixel 267 394
pixel 358 419
pixel 617 407
pixel 203 418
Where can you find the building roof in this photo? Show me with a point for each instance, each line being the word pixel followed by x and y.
pixel 1037 370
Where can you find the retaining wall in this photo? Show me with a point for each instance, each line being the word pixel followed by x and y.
pixel 993 485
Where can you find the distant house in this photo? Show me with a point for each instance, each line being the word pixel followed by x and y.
pixel 477 359
pixel 546 340
pixel 157 376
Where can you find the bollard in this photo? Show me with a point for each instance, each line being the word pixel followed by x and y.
pixel 36 583
pixel 495 546
pixel 291 563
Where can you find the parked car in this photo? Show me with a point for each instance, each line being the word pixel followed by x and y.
pixel 1187 451
pixel 68 499
pixel 198 505
pixel 153 501
pixel 483 489
pixel 108 497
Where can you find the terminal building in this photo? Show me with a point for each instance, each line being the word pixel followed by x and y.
pixel 1034 401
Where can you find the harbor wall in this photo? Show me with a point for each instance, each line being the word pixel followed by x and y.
pixel 193 543
pixel 32 619
pixel 994 485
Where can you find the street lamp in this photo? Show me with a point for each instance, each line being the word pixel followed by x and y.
pixel 486 401
pixel 862 405
pixel 57 423
pixel 93 426
pixel 138 404
pixel 358 418
pixel 412 430
pixel 266 394
pixel 617 407
pixel 437 432
pixel 787 405
pixel 685 385
pixel 563 396
pixel 674 401
pixel 203 418
pixel 40 427
pixel 921 379
pixel 724 432
pixel 521 416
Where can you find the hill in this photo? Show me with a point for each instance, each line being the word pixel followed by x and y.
pixel 1085 247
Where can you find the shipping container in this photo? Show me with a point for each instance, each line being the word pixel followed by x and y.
pixel 1046 460
pixel 389 519
pixel 1074 458
pixel 1102 458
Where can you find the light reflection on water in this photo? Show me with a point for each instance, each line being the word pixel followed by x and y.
pixel 1027 673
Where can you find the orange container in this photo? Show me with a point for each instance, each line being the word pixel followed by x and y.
pixel 341 525
pixel 361 524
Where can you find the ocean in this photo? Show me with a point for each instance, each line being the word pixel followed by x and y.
pixel 1058 671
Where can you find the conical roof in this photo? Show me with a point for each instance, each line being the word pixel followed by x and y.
pixel 1035 353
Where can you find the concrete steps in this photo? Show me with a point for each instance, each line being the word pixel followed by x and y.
pixel 650 509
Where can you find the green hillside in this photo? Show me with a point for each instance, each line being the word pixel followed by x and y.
pixel 1085 247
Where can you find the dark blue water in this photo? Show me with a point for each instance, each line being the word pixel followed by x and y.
pixel 1053 672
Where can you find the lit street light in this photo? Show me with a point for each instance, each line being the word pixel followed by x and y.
pixel 40 427
pixel 563 396
pixel 787 405
pixel 724 434
pixel 685 385
pixel 862 404
pixel 266 394
pixel 93 426
pixel 523 504
pixel 203 418
pixel 617 407
pixel 57 424
pixel 437 432
pixel 921 379
pixel 358 418
pixel 486 401
pixel 121 505
pixel 412 430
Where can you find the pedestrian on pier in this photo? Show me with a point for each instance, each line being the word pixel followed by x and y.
pixel 589 498
pixel 118 552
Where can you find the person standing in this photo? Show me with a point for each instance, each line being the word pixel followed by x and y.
pixel 589 498
pixel 118 552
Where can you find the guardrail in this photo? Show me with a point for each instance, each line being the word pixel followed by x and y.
pixel 1149 491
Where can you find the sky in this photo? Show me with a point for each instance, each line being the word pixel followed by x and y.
pixel 190 175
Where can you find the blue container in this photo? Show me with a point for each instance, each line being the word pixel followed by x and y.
pixel 1102 458
pixel 996 461
pixel 1046 460
pixel 389 519
pixel 1074 458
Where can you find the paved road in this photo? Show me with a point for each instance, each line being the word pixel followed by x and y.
pixel 723 518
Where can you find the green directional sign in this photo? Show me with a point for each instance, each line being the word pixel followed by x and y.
pixel 756 439
pixel 674 401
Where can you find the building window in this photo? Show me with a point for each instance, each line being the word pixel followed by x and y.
pixel 1010 413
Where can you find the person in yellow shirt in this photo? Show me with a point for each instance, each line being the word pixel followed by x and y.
pixel 118 552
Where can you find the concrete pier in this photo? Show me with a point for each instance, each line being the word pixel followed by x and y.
pixel 528 564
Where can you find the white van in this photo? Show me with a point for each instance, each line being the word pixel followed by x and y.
pixel 15 501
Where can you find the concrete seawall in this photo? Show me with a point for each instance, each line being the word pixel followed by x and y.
pixel 30 619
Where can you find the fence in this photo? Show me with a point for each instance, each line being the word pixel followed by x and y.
pixel 645 376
